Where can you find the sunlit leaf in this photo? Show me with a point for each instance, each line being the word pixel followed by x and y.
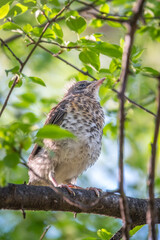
pixel 58 30
pixel 104 234
pixel 40 17
pixel 4 10
pixel 134 230
pixel 27 28
pixel 53 132
pixel 105 8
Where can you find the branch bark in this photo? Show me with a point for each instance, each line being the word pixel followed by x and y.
pixel 131 28
pixel 17 197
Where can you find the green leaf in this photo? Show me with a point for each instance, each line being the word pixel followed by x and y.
pixel 137 55
pixel 49 34
pixel 97 23
pixel 40 17
pixel 105 8
pixel 29 3
pixel 12 70
pixel 26 143
pixel 11 160
pixel 76 23
pixel 90 57
pixel 110 50
pixel 112 23
pixel 134 230
pixel 37 31
pixel 19 84
pixel 4 10
pixel 28 97
pixel 27 28
pixel 54 132
pixel 35 80
pixel 4 2
pixel 17 9
pixel 10 26
pixel 58 30
pixel 151 71
pixel 104 234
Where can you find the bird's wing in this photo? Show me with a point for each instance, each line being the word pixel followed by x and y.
pixel 56 117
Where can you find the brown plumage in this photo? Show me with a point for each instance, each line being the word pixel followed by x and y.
pixel 62 161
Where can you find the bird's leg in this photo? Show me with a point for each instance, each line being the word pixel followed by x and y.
pixel 97 191
pixel 52 179
pixel 55 184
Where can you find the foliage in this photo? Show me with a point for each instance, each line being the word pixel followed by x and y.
pixel 94 45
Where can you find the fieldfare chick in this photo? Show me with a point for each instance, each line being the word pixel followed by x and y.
pixel 80 113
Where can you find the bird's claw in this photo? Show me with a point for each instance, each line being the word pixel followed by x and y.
pixel 97 191
pixel 68 187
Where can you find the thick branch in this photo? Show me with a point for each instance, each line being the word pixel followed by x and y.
pixel 16 197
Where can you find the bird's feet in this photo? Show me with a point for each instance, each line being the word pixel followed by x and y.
pixel 55 184
pixel 68 187
pixel 97 191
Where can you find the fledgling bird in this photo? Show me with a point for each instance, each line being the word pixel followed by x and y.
pixel 60 162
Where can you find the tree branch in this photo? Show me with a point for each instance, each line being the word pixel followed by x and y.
pixel 31 52
pixel 89 75
pixel 131 28
pixel 151 215
pixel 9 94
pixel 134 103
pixel 16 197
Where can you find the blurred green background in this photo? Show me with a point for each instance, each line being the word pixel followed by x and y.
pixel 29 104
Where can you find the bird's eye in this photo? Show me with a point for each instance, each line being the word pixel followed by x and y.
pixel 82 85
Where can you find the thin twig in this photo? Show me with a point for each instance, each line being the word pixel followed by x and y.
pixel 45 231
pixel 115 19
pixel 89 75
pixel 131 27
pixel 23 213
pixel 59 45
pixel 5 44
pixel 68 63
pixel 9 94
pixel 151 215
pixel 134 103
pixel 31 52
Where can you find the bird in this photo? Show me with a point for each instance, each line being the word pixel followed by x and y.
pixel 60 162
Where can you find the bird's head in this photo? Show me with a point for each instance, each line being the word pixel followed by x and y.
pixel 86 88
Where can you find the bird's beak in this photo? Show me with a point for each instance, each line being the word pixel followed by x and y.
pixel 98 83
